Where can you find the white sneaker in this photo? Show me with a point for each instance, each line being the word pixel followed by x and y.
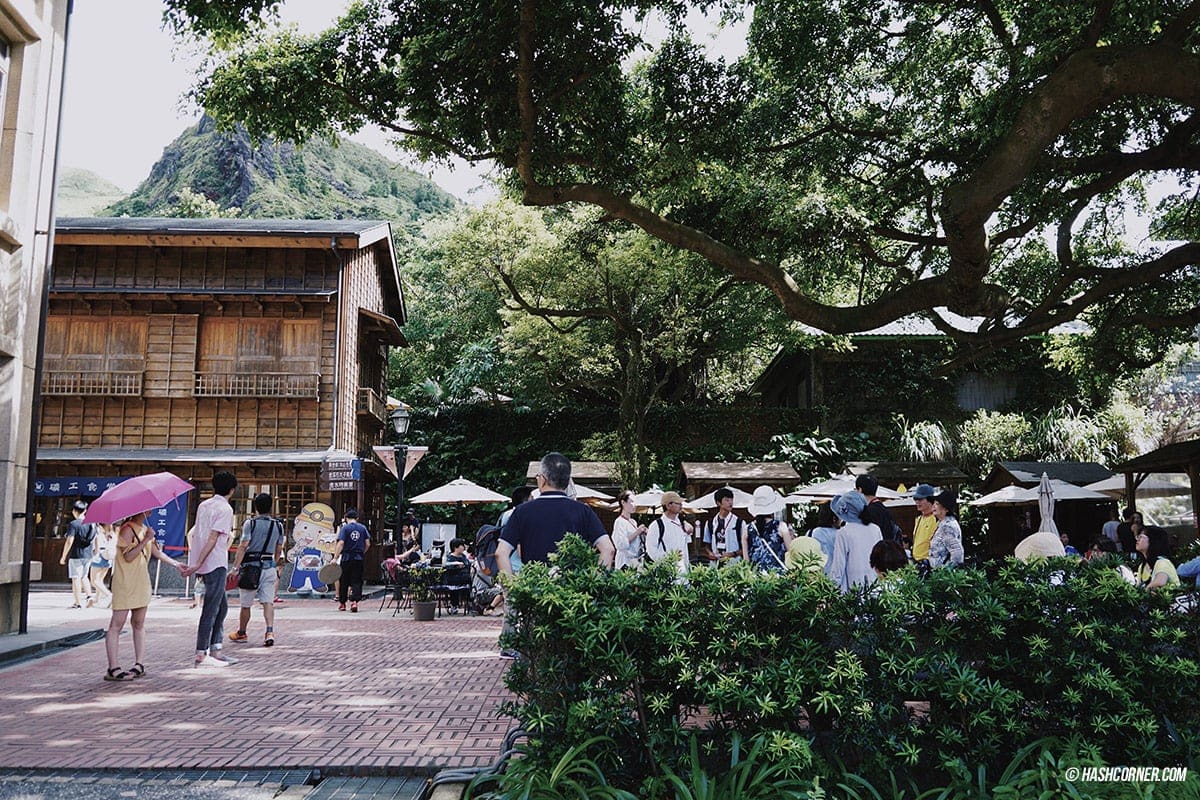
pixel 209 661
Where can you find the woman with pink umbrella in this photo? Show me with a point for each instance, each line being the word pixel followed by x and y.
pixel 130 501
pixel 136 545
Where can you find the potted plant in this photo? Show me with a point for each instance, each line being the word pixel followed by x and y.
pixel 424 601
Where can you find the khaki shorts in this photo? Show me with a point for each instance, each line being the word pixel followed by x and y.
pixel 265 593
pixel 78 567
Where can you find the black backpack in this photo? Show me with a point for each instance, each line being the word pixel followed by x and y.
pixel 85 536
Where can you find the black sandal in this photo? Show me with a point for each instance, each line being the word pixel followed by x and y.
pixel 137 670
pixel 115 674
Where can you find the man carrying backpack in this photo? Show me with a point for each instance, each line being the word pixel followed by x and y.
pixel 77 555
pixel 668 536
pixel 261 534
pixel 722 536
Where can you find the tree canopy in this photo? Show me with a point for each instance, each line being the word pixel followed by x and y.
pixel 862 159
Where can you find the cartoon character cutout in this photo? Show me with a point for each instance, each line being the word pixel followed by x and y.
pixel 315 540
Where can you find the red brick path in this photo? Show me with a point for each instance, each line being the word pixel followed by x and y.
pixel 363 690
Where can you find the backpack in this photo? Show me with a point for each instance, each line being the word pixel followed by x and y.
pixel 85 536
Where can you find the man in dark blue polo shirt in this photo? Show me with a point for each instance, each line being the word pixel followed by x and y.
pixel 536 527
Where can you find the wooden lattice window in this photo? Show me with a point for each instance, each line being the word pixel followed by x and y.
pixel 254 357
pixel 94 355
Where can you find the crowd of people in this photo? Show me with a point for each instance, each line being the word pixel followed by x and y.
pixel 853 544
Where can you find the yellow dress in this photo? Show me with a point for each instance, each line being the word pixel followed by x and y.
pixel 131 579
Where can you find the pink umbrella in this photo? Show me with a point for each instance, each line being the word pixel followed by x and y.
pixel 135 495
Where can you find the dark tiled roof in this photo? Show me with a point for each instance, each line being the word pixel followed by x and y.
pixel 262 227
pixel 1028 473
pixel 1171 458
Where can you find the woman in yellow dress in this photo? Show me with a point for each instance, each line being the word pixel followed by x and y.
pixel 131 592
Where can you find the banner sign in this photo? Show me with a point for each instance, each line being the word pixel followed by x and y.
pixel 71 487
pixel 168 523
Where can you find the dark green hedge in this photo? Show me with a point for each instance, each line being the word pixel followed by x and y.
pixel 918 680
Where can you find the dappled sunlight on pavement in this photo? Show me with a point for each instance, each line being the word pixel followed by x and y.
pixel 361 690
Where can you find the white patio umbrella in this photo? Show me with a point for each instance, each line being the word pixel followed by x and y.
pixel 586 493
pixel 458 491
pixel 1151 487
pixel 833 487
pixel 1006 496
pixel 650 501
pixel 1046 506
pixel 740 499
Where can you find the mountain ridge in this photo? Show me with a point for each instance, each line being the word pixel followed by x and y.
pixel 235 176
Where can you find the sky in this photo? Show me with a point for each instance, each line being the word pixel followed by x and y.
pixel 123 101
pixel 126 78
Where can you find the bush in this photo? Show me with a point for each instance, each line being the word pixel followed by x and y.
pixel 917 680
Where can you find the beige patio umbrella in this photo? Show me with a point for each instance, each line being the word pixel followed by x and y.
pixel 832 488
pixel 1151 487
pixel 459 491
pixel 740 499
pixel 1006 496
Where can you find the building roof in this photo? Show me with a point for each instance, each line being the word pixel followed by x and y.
pixel 603 473
pixel 737 473
pixel 910 473
pixel 181 456
pixel 918 325
pixel 1177 457
pixel 1029 473
pixel 365 231
pixel 325 234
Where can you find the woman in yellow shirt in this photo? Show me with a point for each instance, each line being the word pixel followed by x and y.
pixel 1155 570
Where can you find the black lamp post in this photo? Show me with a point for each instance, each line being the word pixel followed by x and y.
pixel 400 420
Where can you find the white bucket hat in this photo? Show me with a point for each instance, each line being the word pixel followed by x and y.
pixel 766 501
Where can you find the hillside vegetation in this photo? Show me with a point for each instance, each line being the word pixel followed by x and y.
pixel 320 180
pixel 82 193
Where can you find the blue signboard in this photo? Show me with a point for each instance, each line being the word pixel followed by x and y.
pixel 73 487
pixel 169 523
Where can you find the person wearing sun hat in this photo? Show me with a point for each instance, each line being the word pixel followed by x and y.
pixel 766 540
pixel 851 566
pixel 668 536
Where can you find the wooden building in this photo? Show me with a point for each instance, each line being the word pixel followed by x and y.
pixel 1082 520
pixel 194 345
pixel 32 50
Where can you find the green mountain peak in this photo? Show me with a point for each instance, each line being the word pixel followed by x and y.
pixel 319 180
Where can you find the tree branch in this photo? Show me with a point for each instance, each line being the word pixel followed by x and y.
pixel 1099 19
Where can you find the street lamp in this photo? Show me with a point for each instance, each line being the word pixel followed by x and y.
pixel 400 421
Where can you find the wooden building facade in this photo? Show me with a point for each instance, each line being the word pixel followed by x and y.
pixel 258 346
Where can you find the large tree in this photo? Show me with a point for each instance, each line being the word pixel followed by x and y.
pixel 863 159
pixel 562 308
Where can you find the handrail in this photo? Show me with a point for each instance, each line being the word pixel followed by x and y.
pixel 258 384
pixel 122 383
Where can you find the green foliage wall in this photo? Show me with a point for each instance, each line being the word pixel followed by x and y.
pixel 919 679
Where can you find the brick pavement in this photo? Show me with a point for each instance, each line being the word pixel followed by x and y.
pixel 367 692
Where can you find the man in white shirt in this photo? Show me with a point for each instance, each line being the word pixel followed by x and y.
pixel 722 537
pixel 668 536
pixel 209 557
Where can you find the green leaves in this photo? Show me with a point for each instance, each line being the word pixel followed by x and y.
pixel 943 679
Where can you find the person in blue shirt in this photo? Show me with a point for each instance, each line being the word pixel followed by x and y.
pixel 353 541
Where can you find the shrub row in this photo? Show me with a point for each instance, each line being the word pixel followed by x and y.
pixel 918 679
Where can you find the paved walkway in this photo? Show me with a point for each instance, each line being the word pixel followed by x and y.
pixel 364 693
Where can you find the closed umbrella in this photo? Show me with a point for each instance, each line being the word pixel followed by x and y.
pixel 135 495
pixel 1046 506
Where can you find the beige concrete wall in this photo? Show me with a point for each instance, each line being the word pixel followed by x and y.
pixel 34 31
